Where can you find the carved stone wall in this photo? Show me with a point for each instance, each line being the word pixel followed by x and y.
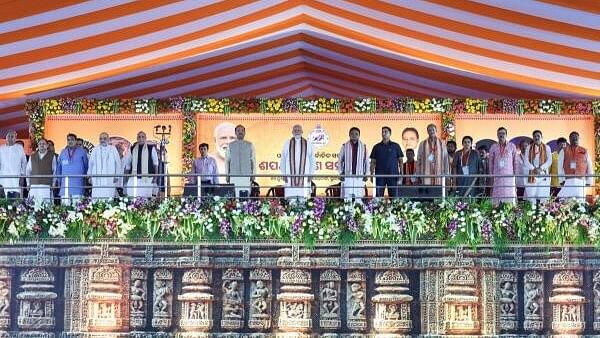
pixel 271 290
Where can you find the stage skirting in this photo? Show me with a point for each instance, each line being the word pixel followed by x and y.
pixel 255 289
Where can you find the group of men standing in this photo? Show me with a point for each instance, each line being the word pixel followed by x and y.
pixel 505 173
pixel 72 171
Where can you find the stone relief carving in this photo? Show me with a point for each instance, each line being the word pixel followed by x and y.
pixel 392 303
pixel 233 300
pixel 596 291
pixel 461 302
pixel 295 301
pixel 567 303
pixel 162 303
pixel 137 299
pixel 329 299
pixel 36 301
pixel 196 301
pixel 105 310
pixel 534 301
pixel 260 299
pixel 4 299
pixel 356 300
pixel 508 300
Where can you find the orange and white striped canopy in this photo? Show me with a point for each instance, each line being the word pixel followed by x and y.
pixel 162 48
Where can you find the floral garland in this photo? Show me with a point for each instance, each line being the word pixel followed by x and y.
pixel 186 220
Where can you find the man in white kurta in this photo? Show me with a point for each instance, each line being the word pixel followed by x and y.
pixel 538 159
pixel 13 164
pixel 41 163
pixel 104 160
pixel 297 165
pixel 142 163
pixel 575 168
pixel 353 161
pixel 240 162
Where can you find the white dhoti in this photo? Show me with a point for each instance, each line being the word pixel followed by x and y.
pixel 140 187
pixel 573 188
pixel 538 190
pixel 297 191
pixel 241 184
pixel 353 188
pixel 41 193
pixel 103 188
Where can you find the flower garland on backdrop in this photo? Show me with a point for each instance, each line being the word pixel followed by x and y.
pixel 37 110
pixel 316 220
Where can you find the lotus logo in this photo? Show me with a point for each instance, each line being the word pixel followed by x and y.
pixel 318 137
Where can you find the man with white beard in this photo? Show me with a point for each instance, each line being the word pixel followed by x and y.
pixel 297 165
pixel 12 163
pixel 104 160
pixel 41 163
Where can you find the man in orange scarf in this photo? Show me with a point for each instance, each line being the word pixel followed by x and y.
pixel 538 159
pixel 575 166
pixel 432 159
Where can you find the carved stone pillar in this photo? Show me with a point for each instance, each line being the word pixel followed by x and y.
pixel 196 303
pixel 295 301
pixel 36 303
pixel 329 300
pixel 356 301
pixel 567 303
pixel 261 286
pixel 461 302
pixel 138 298
pixel 533 291
pixel 392 304
pixel 106 311
pixel 233 300
pixel 5 300
pixel 596 290
pixel 507 295
pixel 162 305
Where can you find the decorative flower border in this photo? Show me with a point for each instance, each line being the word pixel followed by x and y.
pixel 189 106
pixel 316 220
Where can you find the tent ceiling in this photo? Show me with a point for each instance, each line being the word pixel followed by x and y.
pixel 122 48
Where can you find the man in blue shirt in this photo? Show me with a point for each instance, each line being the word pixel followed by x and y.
pixel 73 160
pixel 386 159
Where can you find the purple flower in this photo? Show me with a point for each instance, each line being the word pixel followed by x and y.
pixel 401 226
pixel 352 224
pixel 372 205
pixel 452 226
pixel 319 208
pixel 251 207
pixel 297 225
pixel 486 230
pixel 224 227
pixel 460 206
pixel 290 104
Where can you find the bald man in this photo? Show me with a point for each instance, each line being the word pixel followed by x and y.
pixel 104 160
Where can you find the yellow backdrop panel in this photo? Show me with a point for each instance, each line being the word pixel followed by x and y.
pixel 121 128
pixel 326 131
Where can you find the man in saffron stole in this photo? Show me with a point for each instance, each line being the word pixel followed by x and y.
pixel 297 165
pixel 432 158
pixel 353 162
pixel 503 166
pixel 575 167
pixel 538 159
